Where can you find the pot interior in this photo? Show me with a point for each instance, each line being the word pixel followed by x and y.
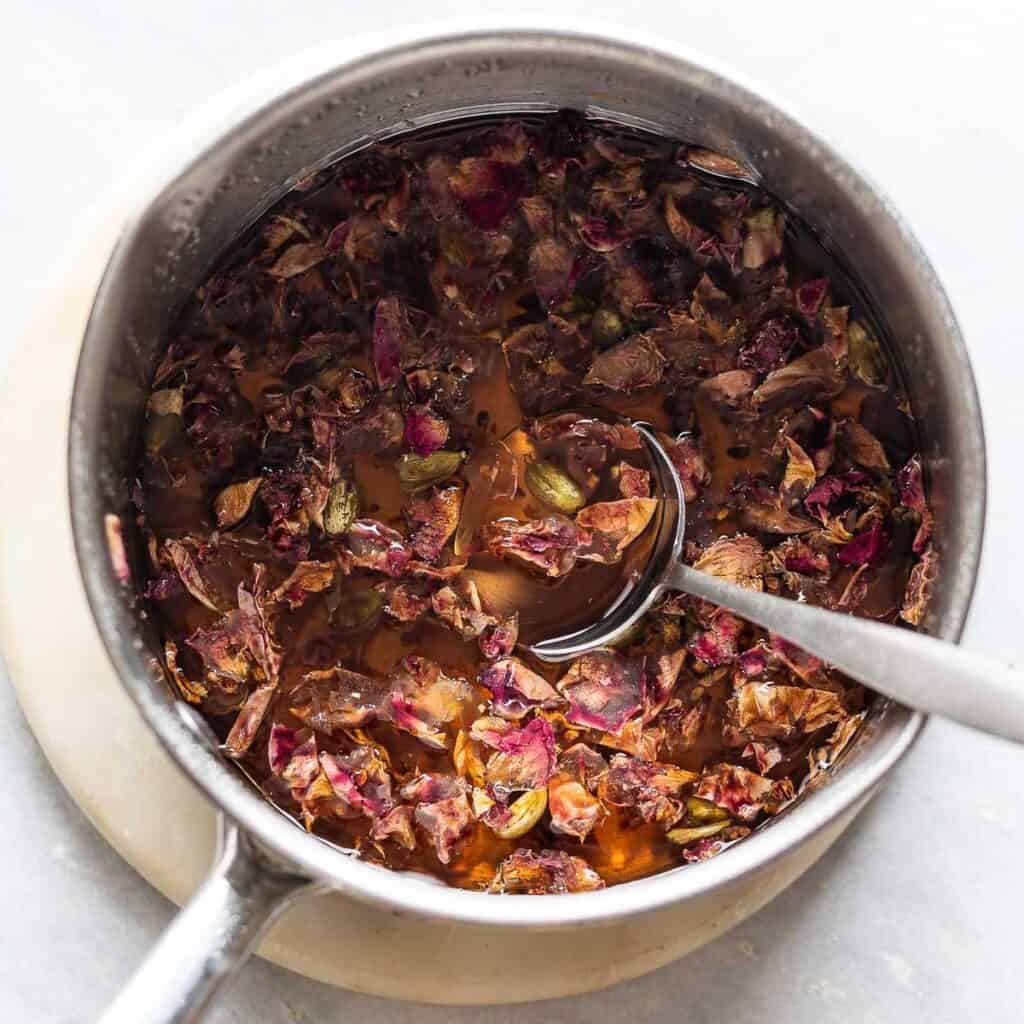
pixel 213 195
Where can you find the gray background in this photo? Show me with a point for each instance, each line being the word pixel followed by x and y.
pixel 916 913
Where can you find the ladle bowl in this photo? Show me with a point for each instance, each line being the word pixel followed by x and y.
pixel 917 670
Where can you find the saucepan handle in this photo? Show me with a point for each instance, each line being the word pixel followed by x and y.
pixel 211 936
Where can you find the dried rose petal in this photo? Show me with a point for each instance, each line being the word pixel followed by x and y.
pixel 604 691
pixel 600 235
pixel 765 755
pixel 911 489
pixel 683 729
pixel 650 789
pixel 735 789
pixel 490 729
pixel 442 810
pixel 865 547
pixel 661 673
pixel 628 366
pixel 618 188
pixel 810 377
pixel 515 689
pixel 302 768
pixel 764 711
pixel 550 544
pixel 712 845
pixel 281 229
pixel 492 473
pixel 249 720
pixel 459 606
pixel 834 327
pixel 282 744
pixel 442 573
pixel 373 545
pixel 230 647
pixel 396 825
pixel 863 447
pixel 730 389
pixel 307 578
pixel 568 425
pixel 499 639
pixel 919 586
pixel 424 699
pixel 754 662
pixel 538 215
pixel 182 557
pixel 800 477
pixel 584 764
pixel 360 778
pixel 255 626
pixel 612 526
pixel 824 757
pixel 232 505
pixel 340 699
pixel 192 692
pixel 633 481
pixel 821 498
pixel 538 375
pixel 801 663
pixel 689 235
pixel 488 189
pixel 223 648
pixel 116 549
pixel 467 760
pixel 716 645
pixel 770 518
pixel 380 428
pixel 574 810
pixel 428 787
pixel 769 347
pixel 867 361
pixel 525 758
pixel 551 267
pixel 797 556
pixel 738 559
pixel 436 519
pixel 688 459
pixel 636 738
pixel 406 602
pixel 337 237
pixel 549 871
pixel 809 297
pixel 425 431
pixel 404 714
pixel 297 259
pixel 389 340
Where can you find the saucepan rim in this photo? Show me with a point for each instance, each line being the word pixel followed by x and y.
pixel 894 729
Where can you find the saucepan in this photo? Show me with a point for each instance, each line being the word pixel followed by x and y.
pixel 265 861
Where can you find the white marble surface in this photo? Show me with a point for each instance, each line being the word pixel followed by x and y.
pixel 915 914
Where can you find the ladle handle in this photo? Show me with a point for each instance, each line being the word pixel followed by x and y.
pixel 920 671
pixel 210 938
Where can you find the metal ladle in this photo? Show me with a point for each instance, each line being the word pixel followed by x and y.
pixel 917 670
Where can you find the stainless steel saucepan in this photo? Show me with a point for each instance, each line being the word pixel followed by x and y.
pixel 265 860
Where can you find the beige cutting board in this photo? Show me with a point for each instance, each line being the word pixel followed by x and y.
pixel 132 792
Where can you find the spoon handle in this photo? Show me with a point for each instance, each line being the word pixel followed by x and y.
pixel 920 671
